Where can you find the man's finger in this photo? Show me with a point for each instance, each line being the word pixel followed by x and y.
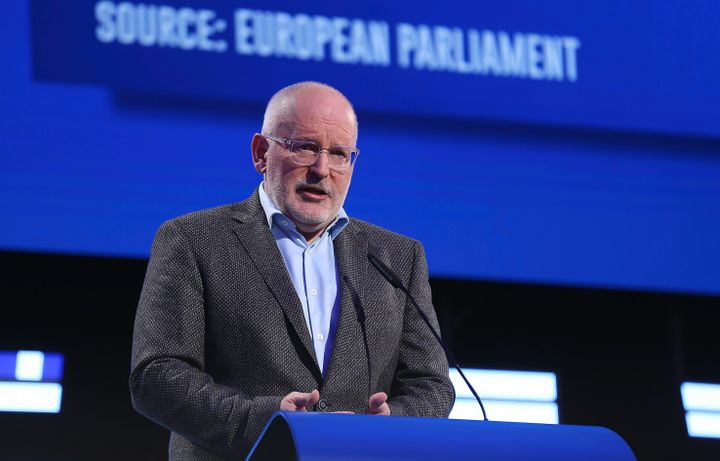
pixel 376 400
pixel 377 404
pixel 308 399
pixel 299 401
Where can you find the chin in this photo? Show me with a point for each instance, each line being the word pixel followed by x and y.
pixel 312 217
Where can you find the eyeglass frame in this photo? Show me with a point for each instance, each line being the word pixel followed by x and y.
pixel 290 142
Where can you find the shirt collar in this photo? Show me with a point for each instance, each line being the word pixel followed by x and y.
pixel 271 210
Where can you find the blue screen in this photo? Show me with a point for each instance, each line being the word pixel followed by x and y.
pixel 606 177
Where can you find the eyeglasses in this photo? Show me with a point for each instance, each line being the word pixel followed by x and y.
pixel 305 153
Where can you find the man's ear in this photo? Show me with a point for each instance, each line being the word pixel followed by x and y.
pixel 259 147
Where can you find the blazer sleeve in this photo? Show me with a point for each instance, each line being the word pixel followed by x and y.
pixel 167 381
pixel 421 386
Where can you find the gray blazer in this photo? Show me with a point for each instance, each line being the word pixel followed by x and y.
pixel 220 335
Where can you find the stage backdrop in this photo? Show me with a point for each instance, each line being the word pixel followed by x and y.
pixel 552 142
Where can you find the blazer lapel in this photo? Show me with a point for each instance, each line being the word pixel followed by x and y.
pixel 256 238
pixel 351 258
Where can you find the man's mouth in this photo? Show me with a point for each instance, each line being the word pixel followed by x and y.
pixel 311 192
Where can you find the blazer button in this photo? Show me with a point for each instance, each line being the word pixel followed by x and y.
pixel 322 405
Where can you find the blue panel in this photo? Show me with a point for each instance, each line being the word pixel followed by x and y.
pixel 7 365
pixel 53 367
pixel 406 438
pixel 604 64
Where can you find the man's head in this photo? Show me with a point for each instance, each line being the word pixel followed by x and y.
pixel 309 195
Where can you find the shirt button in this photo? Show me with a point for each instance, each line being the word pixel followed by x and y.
pixel 320 336
pixel 313 292
pixel 322 405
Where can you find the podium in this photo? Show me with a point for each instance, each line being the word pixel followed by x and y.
pixel 291 436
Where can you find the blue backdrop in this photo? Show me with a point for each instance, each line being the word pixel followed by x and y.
pixel 606 174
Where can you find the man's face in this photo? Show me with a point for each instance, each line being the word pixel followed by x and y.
pixel 310 195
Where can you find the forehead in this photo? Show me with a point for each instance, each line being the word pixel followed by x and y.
pixel 318 115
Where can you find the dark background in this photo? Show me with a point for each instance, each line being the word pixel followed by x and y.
pixel 619 355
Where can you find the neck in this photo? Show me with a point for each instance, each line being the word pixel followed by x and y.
pixel 310 238
pixel 311 234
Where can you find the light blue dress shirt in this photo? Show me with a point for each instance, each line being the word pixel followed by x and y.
pixel 313 272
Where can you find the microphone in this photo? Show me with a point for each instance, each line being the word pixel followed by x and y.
pixel 395 281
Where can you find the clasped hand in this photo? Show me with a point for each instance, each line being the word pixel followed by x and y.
pixel 304 401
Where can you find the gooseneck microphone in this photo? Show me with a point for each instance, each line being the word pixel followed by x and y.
pixel 395 281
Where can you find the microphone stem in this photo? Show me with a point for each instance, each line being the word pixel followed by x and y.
pixel 446 349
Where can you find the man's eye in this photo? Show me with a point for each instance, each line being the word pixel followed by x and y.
pixel 307 147
pixel 340 152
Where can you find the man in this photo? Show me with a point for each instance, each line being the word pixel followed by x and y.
pixel 271 304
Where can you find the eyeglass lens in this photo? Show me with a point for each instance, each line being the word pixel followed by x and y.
pixel 306 152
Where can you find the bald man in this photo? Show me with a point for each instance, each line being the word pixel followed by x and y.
pixel 271 304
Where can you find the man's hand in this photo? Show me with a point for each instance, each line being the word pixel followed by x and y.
pixel 377 405
pixel 299 401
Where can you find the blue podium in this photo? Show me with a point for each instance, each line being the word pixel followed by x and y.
pixel 329 437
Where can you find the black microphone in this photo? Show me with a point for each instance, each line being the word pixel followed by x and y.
pixel 395 281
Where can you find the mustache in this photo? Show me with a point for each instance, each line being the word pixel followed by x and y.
pixel 314 187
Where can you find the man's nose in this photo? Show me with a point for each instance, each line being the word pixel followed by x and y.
pixel 321 167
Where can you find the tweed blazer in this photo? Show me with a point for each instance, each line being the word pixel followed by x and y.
pixel 220 336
